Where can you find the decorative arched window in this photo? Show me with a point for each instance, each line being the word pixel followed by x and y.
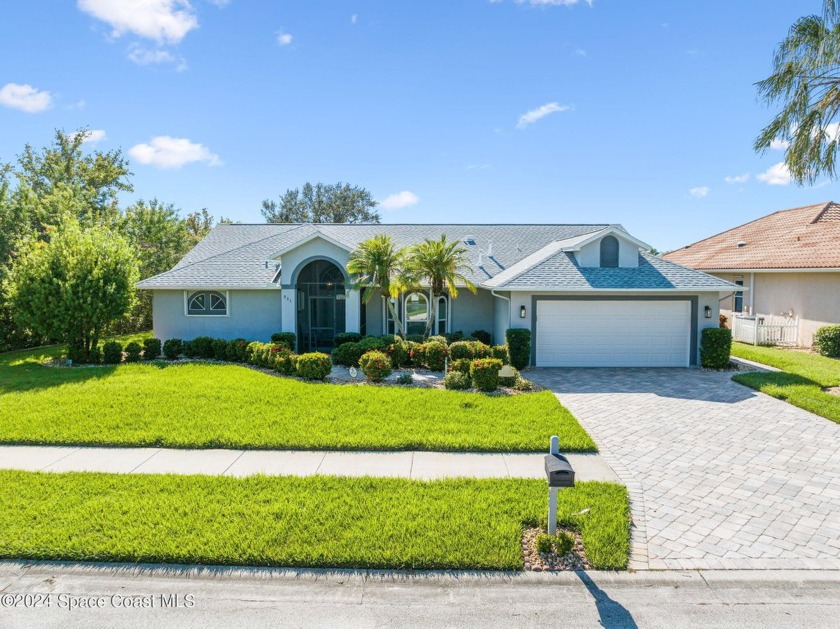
pixel 207 303
pixel 416 313
pixel 609 252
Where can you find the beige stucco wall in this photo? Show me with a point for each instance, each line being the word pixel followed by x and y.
pixel 814 297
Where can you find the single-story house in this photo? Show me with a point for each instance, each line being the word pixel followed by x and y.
pixel 788 262
pixel 591 294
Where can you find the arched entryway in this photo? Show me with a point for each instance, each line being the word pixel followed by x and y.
pixel 321 305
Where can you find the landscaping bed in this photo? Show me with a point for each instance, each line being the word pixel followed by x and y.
pixel 806 379
pixel 300 522
pixel 200 405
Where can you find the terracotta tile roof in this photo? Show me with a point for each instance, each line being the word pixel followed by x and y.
pixel 801 238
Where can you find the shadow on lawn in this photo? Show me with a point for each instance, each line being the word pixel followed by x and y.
pixel 31 376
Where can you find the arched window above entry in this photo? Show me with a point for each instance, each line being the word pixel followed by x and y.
pixel 609 252
pixel 207 303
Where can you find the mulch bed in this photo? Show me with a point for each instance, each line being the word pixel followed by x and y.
pixel 575 559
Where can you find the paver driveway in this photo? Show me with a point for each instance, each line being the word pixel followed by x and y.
pixel 720 476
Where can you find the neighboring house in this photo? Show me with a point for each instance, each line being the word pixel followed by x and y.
pixel 787 262
pixel 589 293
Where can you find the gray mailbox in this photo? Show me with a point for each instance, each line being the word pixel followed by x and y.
pixel 559 471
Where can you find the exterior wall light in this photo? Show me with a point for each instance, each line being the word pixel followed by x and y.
pixel 521 312
pixel 708 312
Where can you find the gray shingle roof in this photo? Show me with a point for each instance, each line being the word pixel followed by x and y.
pixel 241 256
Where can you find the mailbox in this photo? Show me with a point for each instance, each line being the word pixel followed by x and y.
pixel 559 471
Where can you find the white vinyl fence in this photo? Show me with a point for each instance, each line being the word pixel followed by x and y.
pixel 765 330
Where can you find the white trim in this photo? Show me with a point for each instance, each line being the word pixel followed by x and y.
pixel 606 291
pixel 207 290
pixel 609 231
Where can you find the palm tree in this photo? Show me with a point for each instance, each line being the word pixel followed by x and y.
pixel 439 264
pixel 378 263
pixel 806 80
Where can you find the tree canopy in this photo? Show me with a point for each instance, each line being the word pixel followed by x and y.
pixel 806 82
pixel 322 203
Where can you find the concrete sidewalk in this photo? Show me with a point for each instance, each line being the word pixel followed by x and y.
pixel 414 465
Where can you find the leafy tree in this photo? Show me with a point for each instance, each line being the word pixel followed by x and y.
pixel 378 263
pixel 73 286
pixel 322 203
pixel 440 265
pixel 199 225
pixel 806 81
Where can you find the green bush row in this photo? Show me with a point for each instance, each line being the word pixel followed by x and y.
pixel 827 341
pixel 112 352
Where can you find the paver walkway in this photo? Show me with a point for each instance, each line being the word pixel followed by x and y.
pixel 416 465
pixel 721 477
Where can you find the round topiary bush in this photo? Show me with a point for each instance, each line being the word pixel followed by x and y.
pixel 485 374
pixel 202 347
pixel 457 381
pixel 519 346
pixel 827 341
pixel 151 349
pixel 500 352
pixel 434 355
pixel 112 352
pixel 375 365
pixel 285 362
pixel 348 354
pixel 397 351
pixel 313 366
pixel 715 346
pixel 172 348
pixel 132 352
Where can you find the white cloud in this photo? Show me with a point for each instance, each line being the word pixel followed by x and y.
pixel 164 21
pixel 779 145
pixel 92 136
pixel 776 175
pixel 153 56
pixel 737 178
pixel 164 151
pixel 699 192
pixel 400 200
pixel 354 19
pixel 284 39
pixel 25 98
pixel 540 112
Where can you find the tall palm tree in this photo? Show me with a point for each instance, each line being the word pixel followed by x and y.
pixel 378 263
pixel 438 264
pixel 806 81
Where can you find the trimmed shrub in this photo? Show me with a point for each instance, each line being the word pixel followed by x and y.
pixel 415 338
pixel 827 341
pixel 112 352
pixel 284 338
pixel 544 543
pixel 519 346
pixel 483 336
pixel 219 349
pixel 457 381
pixel 405 378
pixel 347 337
pixel 172 348
pixel 509 381
pixel 187 349
pixel 469 349
pixel 132 352
pixel 434 355
pixel 397 352
pixel 485 374
pixel 415 353
pixel 436 339
pixel 563 543
pixel 250 350
pixel 151 349
pixel 201 347
pixel 370 343
pixel 523 384
pixel 314 366
pixel 285 361
pixel 500 352
pixel 375 365
pixel 235 351
pixel 260 354
pixel 348 354
pixel 461 365
pixel 715 346
pixel 454 337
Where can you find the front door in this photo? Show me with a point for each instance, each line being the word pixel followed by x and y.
pixel 321 306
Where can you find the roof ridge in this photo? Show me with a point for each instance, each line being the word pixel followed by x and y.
pixel 602 225
pixel 825 209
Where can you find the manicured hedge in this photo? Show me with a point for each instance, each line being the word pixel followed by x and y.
pixel 132 352
pixel 457 381
pixel 348 354
pixel 285 361
pixel 219 349
pixel 285 338
pixel 397 352
pixel 172 348
pixel 236 350
pixel 827 341
pixel 519 346
pixel 715 346
pixel 469 349
pixel 460 364
pixel 500 352
pixel 200 347
pixel 112 352
pixel 485 374
pixel 314 366
pixel 151 349
pixel 434 355
pixel 483 336
pixel 347 337
pixel 375 365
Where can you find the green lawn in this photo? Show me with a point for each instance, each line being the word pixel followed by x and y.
pixel 291 521
pixel 802 379
pixel 199 405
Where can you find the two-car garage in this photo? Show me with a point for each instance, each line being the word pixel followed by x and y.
pixel 613 332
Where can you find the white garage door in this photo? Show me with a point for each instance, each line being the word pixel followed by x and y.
pixel 613 333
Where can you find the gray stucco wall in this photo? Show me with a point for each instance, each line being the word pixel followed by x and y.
pixel 471 312
pixel 253 315
pixel 501 318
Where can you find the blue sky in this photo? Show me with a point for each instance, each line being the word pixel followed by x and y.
pixel 531 111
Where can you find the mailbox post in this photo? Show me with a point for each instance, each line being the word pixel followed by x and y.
pixel 559 473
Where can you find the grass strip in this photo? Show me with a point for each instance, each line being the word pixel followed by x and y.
pixel 317 521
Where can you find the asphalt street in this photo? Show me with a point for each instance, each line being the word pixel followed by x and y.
pixel 103 595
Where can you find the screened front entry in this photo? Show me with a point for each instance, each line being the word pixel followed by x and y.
pixel 321 305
